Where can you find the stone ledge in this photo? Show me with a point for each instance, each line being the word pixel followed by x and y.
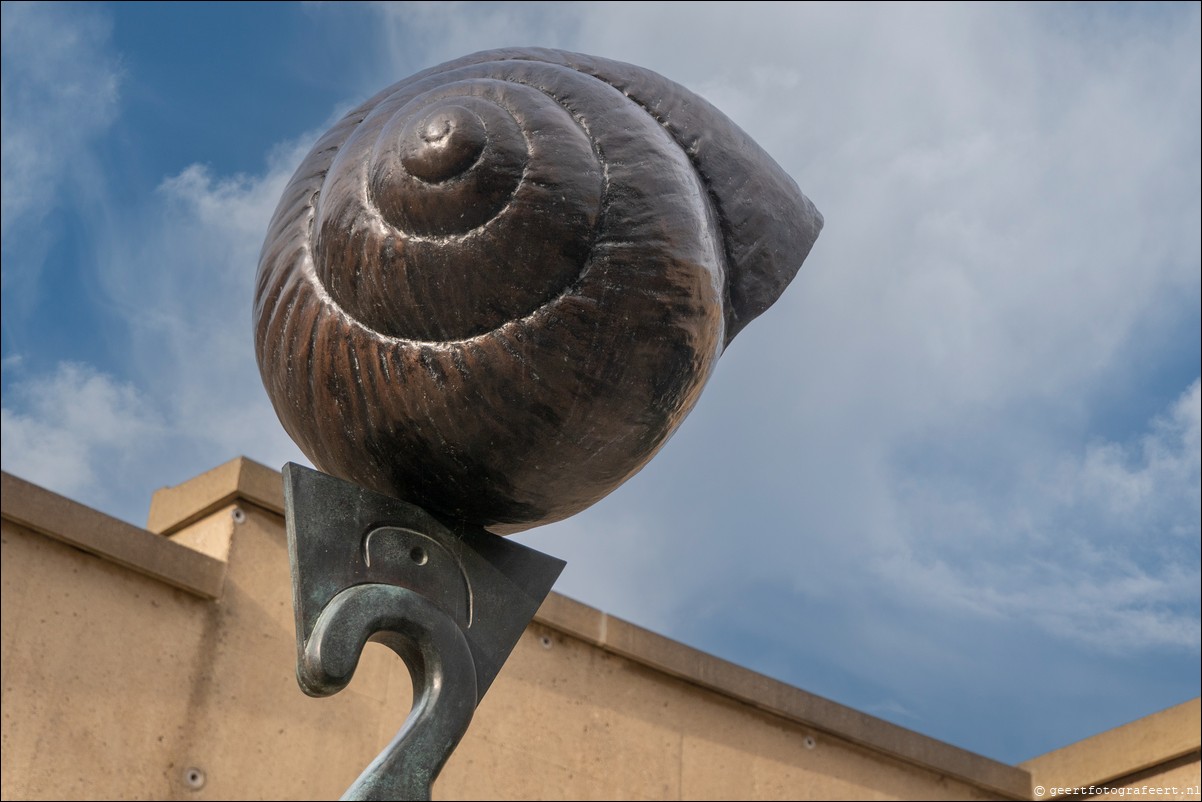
pixel 1123 751
pixel 70 522
pixel 772 696
pixel 240 479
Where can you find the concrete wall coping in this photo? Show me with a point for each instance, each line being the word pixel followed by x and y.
pixel 70 522
pixel 244 481
pixel 1123 751
pixel 778 698
pixel 240 479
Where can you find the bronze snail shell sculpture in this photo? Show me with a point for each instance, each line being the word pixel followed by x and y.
pixel 497 287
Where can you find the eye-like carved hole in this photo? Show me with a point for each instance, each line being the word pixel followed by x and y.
pixel 397 555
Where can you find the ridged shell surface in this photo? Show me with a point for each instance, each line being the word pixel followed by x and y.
pixel 496 288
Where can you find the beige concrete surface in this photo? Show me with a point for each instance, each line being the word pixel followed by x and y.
pixel 793 704
pixel 173 508
pixel 117 683
pixel 1178 780
pixel 1159 752
pixel 98 662
pixel 566 715
pixel 82 527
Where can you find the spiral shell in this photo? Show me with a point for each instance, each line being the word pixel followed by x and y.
pixel 496 288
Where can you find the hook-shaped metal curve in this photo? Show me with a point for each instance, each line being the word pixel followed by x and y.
pixel 440 664
pixel 451 604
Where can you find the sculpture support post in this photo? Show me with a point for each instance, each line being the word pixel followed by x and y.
pixel 451 604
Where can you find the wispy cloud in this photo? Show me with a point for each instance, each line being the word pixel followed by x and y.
pixel 1101 548
pixel 176 269
pixel 77 429
pixel 61 85
pixel 184 285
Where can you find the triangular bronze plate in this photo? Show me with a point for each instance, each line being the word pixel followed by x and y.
pixel 341 535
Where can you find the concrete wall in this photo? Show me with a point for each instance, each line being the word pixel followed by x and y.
pixel 1156 756
pixel 158 663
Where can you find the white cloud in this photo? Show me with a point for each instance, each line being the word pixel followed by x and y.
pixel 1102 547
pixel 187 286
pixel 60 91
pixel 419 35
pixel 1134 485
pixel 180 271
pixel 76 430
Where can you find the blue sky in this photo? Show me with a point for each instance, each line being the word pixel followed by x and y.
pixel 951 478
